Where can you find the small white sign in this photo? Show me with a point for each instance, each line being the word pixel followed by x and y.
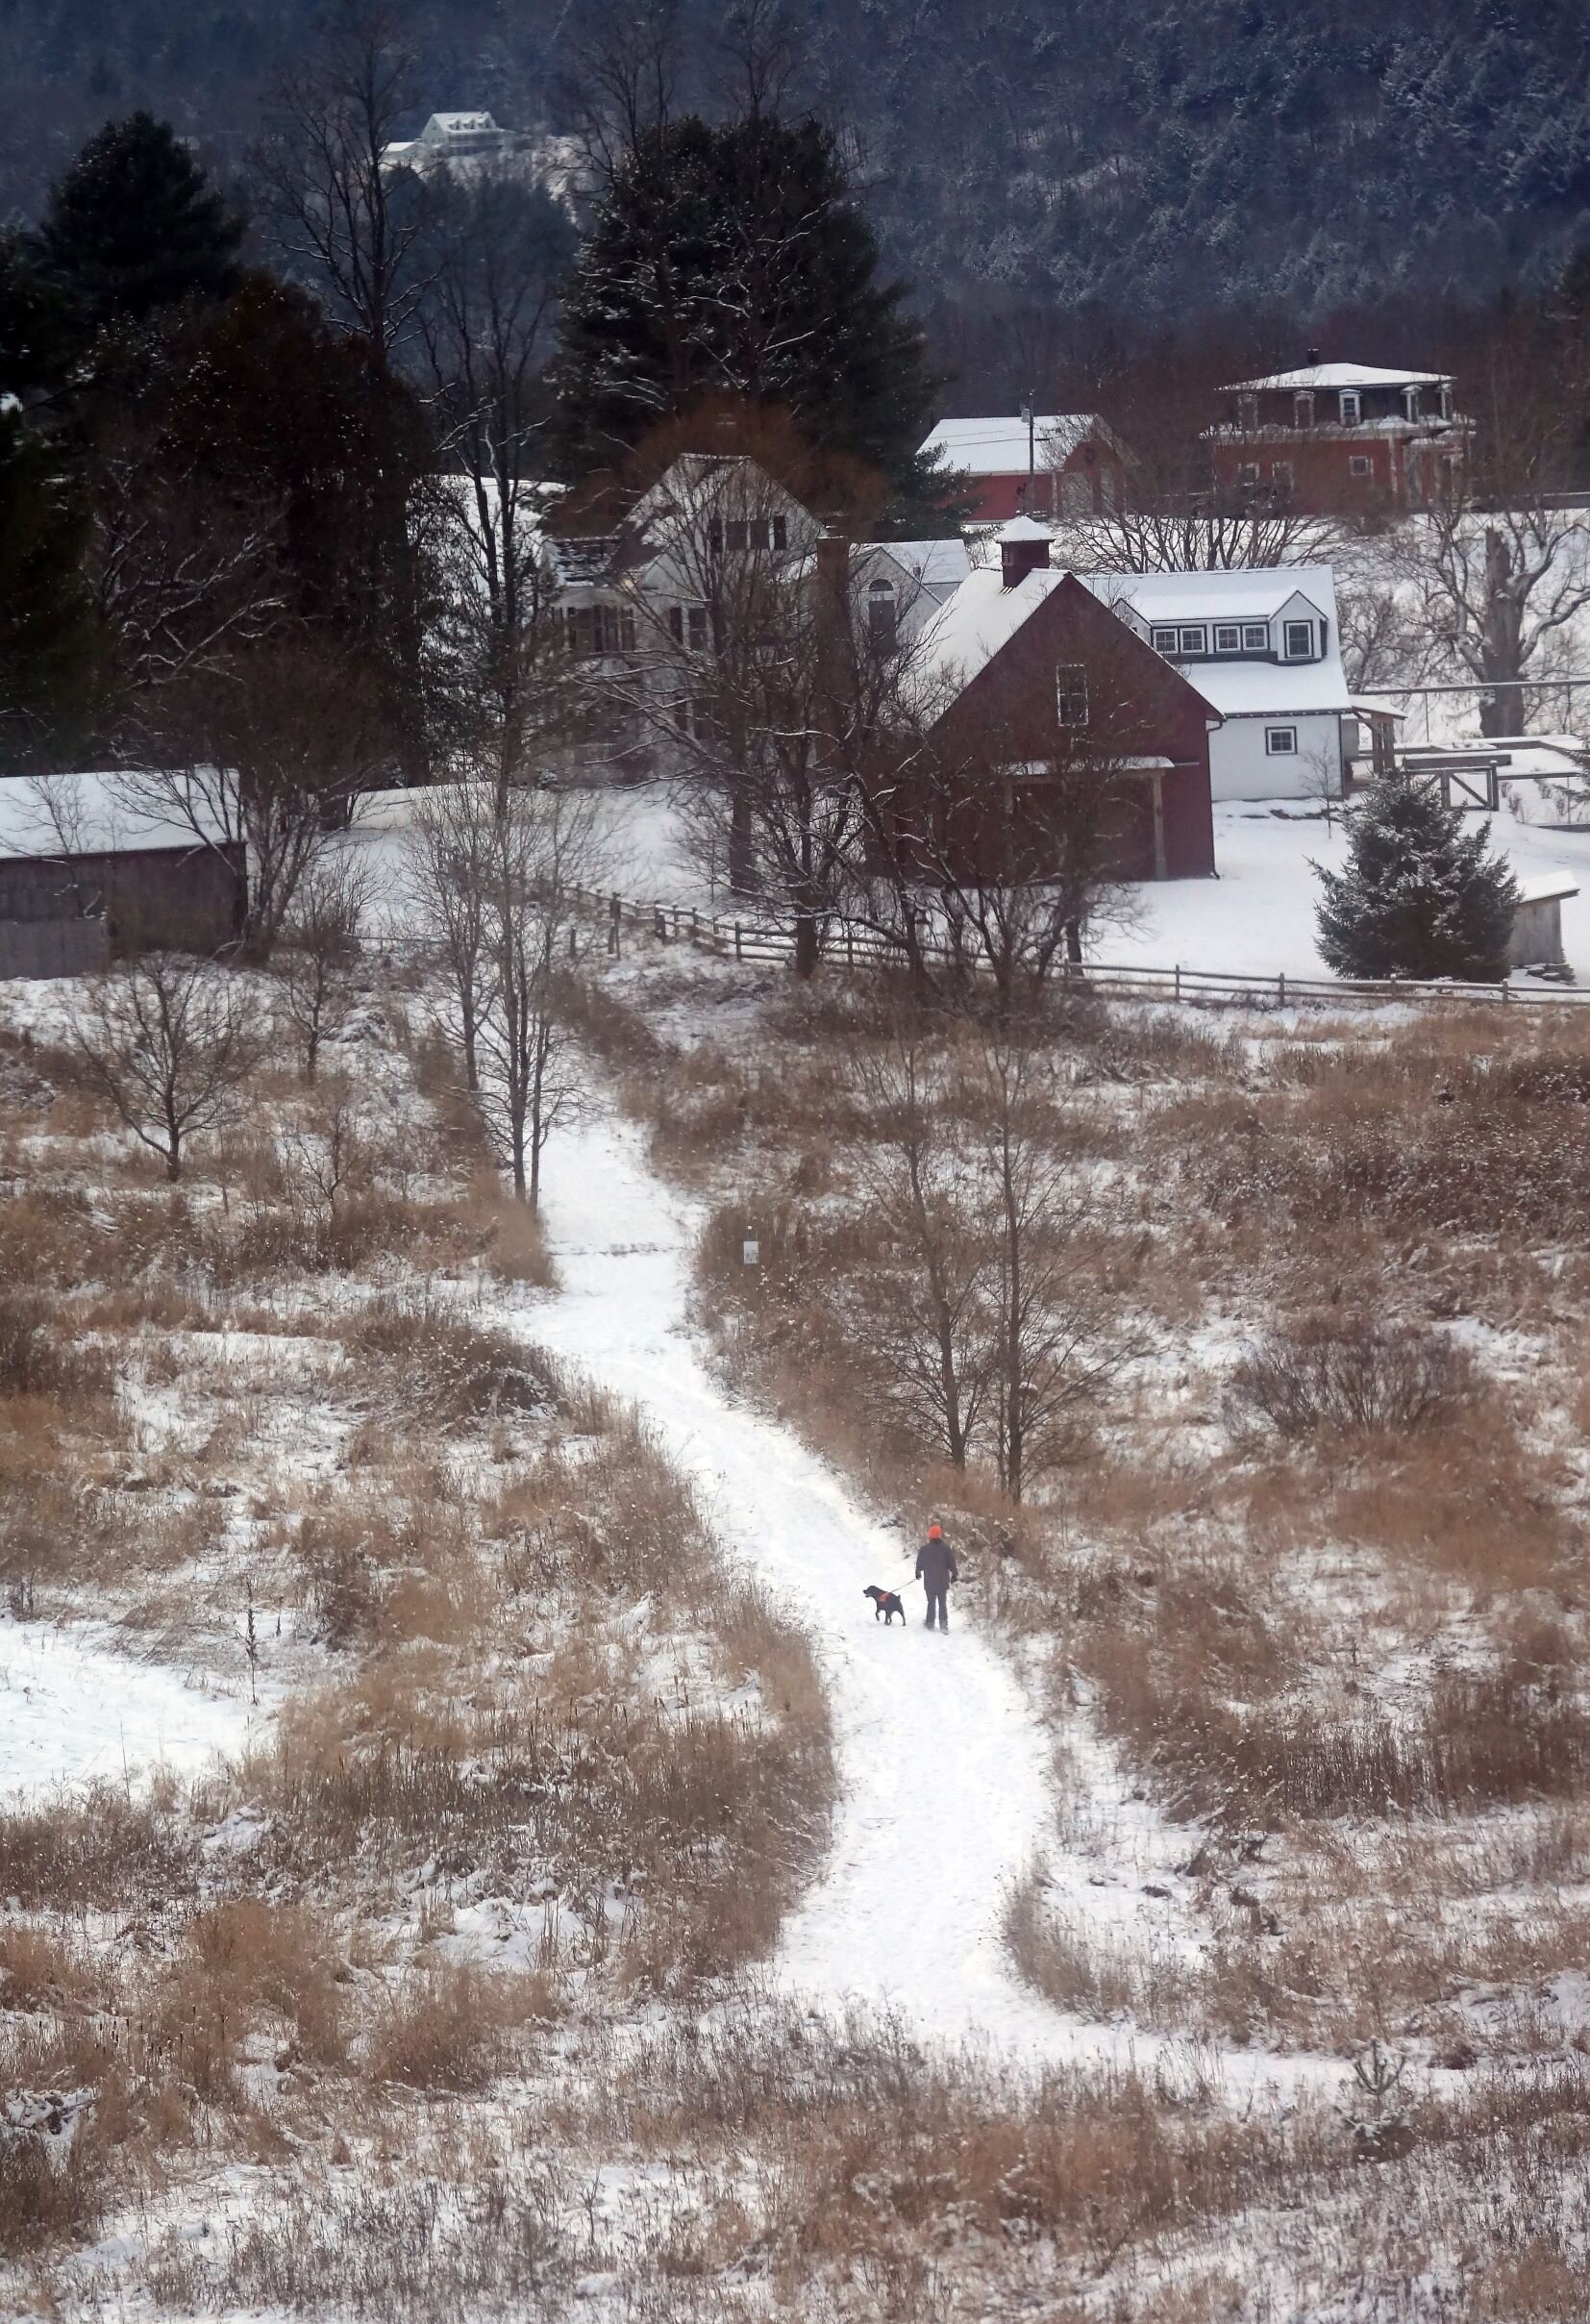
pixel 752 1251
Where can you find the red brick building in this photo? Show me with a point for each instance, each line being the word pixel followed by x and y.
pixel 1025 677
pixel 1335 438
pixel 1065 464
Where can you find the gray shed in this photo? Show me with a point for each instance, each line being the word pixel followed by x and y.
pixel 1536 941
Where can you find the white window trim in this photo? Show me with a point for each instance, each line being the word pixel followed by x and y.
pixel 1163 630
pixel 1231 630
pixel 1274 747
pixel 1359 463
pixel 1255 636
pixel 1291 652
pixel 1198 630
pixel 1352 407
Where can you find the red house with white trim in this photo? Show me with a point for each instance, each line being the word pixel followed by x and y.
pixel 1335 438
pixel 1022 662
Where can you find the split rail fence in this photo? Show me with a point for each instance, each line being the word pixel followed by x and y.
pixel 847 944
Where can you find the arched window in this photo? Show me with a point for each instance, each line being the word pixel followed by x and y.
pixel 882 615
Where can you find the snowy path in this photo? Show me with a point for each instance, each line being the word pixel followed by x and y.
pixel 940 1762
pixel 73 1709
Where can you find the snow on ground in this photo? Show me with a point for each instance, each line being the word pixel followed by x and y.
pixel 73 1709
pixel 1256 919
pixel 943 1763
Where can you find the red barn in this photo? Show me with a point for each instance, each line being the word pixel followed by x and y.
pixel 1024 678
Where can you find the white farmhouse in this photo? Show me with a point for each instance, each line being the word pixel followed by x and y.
pixel 1263 648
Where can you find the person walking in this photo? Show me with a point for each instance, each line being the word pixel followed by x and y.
pixel 936 1570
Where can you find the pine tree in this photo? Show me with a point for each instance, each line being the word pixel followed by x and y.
pixel 733 262
pixel 47 660
pixel 1419 896
pixel 135 225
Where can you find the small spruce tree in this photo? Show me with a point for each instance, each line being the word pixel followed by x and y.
pixel 135 225
pixel 1418 896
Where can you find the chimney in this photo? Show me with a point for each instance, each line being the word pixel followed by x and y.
pixel 1314 359
pixel 1023 549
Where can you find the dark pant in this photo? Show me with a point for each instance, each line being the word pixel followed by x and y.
pixel 935 1598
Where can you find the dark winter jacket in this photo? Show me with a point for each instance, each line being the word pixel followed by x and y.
pixel 936 1564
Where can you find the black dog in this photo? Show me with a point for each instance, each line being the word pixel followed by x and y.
pixel 885 1602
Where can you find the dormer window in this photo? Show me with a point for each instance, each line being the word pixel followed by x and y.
pixel 1255 636
pixel 1164 640
pixel 1300 642
pixel 1352 407
pixel 1227 637
pixel 1302 409
pixel 1193 640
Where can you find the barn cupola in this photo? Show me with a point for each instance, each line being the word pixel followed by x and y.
pixel 1023 549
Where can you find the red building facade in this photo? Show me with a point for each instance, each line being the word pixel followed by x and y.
pixel 1056 465
pixel 1340 437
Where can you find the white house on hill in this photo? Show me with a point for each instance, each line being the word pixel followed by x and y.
pixel 1263 649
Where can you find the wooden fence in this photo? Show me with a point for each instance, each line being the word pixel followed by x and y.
pixel 848 945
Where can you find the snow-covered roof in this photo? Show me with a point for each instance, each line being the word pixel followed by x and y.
pixel 937 566
pixel 459 125
pixel 972 626
pixel 1545 890
pixel 100 814
pixel 1338 375
pixel 999 446
pixel 1239 689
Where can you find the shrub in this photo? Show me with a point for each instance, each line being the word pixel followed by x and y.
pixel 1352 1375
pixel 37 1361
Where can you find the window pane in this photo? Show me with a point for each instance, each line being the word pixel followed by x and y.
pixel 1255 636
pixel 1300 638
pixel 1193 642
pixel 1227 638
pixel 1281 741
pixel 1070 694
pixel 1164 642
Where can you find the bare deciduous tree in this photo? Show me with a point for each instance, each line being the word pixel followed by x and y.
pixel 1057 1340
pixel 319 949
pixel 168 1041
pixel 921 1184
pixel 499 885
pixel 1500 568
pixel 270 752
pixel 343 214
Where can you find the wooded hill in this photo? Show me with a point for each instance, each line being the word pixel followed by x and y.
pixel 1310 156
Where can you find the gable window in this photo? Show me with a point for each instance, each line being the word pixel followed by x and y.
pixel 1227 637
pixel 1255 636
pixel 1193 640
pixel 714 535
pixel 1300 642
pixel 600 629
pixel 739 533
pixel 883 616
pixel 1352 407
pixel 1070 694
pixel 1282 741
pixel 779 530
pixel 698 629
pixel 676 624
pixel 1164 640
pixel 1361 465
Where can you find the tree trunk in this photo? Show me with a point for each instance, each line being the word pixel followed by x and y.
pixel 807 946
pixel 742 852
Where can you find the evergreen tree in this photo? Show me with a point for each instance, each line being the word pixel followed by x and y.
pixel 135 225
pixel 1418 897
pixel 47 661
pixel 733 262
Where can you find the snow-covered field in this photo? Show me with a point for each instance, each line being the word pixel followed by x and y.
pixel 75 1710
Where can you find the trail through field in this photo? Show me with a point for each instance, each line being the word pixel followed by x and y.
pixel 942 1763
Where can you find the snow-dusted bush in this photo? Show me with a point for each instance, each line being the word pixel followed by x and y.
pixel 1418 897
pixel 1357 1374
